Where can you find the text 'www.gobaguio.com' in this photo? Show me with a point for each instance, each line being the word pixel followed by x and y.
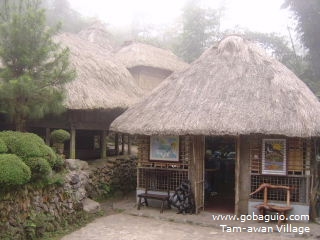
pixel 258 217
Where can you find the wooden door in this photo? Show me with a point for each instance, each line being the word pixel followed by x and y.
pixel 196 170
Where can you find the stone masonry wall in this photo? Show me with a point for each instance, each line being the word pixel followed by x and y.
pixel 27 212
pixel 113 176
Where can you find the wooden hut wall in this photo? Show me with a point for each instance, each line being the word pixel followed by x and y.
pixel 147 77
pixel 178 171
pixel 297 174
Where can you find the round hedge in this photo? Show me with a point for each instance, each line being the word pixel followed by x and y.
pixel 23 144
pixel 3 146
pixel 40 168
pixel 59 136
pixel 13 171
pixel 49 154
pixel 27 145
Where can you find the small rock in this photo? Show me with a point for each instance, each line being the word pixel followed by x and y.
pixel 74 179
pixel 90 206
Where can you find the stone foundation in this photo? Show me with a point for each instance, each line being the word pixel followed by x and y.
pixel 115 176
pixel 28 212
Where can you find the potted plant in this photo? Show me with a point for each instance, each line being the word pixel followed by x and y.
pixel 58 138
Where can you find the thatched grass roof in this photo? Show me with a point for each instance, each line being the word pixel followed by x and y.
pixel 97 33
pixel 234 88
pixel 135 54
pixel 100 83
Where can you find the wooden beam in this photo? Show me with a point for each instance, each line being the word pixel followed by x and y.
pixel 122 144
pixel 72 143
pixel 116 143
pixel 129 145
pixel 103 140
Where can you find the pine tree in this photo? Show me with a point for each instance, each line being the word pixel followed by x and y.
pixel 34 68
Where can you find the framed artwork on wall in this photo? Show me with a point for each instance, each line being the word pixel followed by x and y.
pixel 164 148
pixel 274 156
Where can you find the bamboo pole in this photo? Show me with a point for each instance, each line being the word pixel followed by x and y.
pixel 237 177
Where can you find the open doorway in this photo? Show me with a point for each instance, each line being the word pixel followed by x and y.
pixel 220 174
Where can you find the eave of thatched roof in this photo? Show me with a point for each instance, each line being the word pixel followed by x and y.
pixel 135 54
pixel 100 83
pixel 234 88
pixel 97 33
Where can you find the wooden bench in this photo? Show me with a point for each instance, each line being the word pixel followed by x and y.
pixel 152 180
pixel 265 206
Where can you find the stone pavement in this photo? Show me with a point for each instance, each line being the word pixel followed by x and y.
pixel 148 223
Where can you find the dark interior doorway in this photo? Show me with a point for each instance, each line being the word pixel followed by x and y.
pixel 220 174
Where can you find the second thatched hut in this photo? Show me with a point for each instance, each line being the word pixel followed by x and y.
pixel 149 65
pixel 102 90
pixel 234 119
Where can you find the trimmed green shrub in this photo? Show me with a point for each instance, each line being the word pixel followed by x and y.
pixel 49 154
pixel 59 162
pixel 33 151
pixel 8 137
pixel 23 144
pixel 3 146
pixel 40 168
pixel 13 171
pixel 25 147
pixel 59 136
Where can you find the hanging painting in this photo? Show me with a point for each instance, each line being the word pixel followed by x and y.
pixel 274 156
pixel 164 148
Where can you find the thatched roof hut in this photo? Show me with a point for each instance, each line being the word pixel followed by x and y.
pixel 148 65
pixel 100 83
pixel 134 54
pixel 234 88
pixel 97 33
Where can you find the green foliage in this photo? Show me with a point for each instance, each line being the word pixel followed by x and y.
pixel 40 167
pixel 48 153
pixel 13 171
pixel 307 14
pixel 278 46
pixel 105 190
pixel 59 136
pixel 200 30
pixel 35 68
pixel 34 152
pixel 26 145
pixel 3 146
pixel 59 162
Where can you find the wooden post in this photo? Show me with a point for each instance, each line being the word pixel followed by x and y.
pixel 103 144
pixel 196 170
pixel 129 145
pixel 116 143
pixel 237 177
pixel 122 144
pixel 48 136
pixel 73 143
